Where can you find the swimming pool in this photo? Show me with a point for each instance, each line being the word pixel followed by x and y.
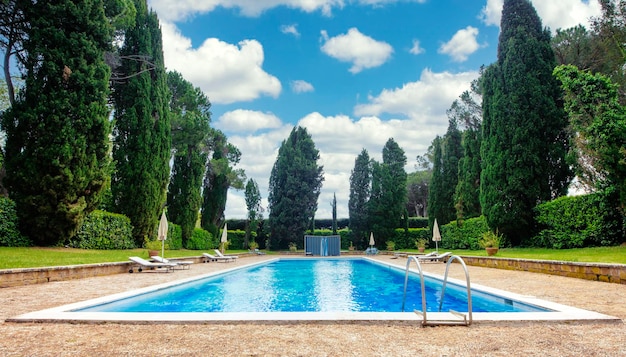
pixel 311 285
pixel 77 312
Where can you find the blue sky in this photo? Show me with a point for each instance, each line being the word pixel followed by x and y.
pixel 353 72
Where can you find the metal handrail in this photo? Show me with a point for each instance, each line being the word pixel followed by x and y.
pixel 406 281
pixel 469 290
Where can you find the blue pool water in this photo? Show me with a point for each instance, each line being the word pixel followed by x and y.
pixel 310 285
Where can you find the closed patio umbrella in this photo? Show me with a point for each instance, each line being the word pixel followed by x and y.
pixel 224 238
pixel 372 241
pixel 436 236
pixel 162 232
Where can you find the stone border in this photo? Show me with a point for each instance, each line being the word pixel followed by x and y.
pixel 610 273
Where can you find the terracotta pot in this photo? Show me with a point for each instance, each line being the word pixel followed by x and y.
pixel 421 250
pixel 491 251
pixel 153 253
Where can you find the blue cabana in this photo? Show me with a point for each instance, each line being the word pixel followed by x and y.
pixel 322 245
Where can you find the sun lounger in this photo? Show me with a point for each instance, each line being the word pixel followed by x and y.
pixel 141 263
pixel 258 252
pixel 212 258
pixel 183 264
pixel 219 254
pixel 434 258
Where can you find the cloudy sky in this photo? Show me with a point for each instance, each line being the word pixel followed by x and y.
pixel 353 72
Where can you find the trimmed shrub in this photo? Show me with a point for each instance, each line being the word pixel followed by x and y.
pixel 103 230
pixel 201 240
pixel 418 222
pixel 10 236
pixel 406 240
pixel 465 235
pixel 174 236
pixel 578 221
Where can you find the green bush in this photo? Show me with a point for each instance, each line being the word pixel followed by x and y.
pixel 174 236
pixel 201 240
pixel 465 235
pixel 406 240
pixel 10 236
pixel 578 221
pixel 103 230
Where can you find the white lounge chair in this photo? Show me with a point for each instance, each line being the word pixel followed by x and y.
pixel 219 254
pixel 183 264
pixel 434 258
pixel 141 263
pixel 212 258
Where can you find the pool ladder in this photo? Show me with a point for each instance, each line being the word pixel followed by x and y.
pixel 466 318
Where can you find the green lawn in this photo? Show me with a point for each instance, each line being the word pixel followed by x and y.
pixel 39 257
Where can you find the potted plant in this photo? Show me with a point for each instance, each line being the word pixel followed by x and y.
pixel 253 245
pixel 421 244
pixel 351 247
pixel 491 242
pixel 154 248
pixel 293 247
pixel 391 245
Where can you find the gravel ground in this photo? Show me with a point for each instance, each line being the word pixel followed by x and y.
pixel 315 339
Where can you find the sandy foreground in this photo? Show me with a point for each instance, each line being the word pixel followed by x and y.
pixel 315 339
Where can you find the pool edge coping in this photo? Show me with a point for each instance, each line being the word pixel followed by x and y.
pixel 63 314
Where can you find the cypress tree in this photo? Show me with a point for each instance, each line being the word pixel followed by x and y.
pixel 57 147
pixel 452 152
pixel 253 204
pixel 360 186
pixel 388 196
pixel 294 188
pixel 142 133
pixel 190 118
pixel 436 204
pixel 524 143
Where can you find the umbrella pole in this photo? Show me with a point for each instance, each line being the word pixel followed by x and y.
pixel 163 249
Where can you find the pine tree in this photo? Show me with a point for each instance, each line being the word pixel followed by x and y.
pixel 294 188
pixel 57 147
pixel 524 143
pixel 220 175
pixel 142 133
pixel 190 118
pixel 360 186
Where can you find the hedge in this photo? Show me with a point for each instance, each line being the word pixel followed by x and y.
pixel 103 230
pixel 578 221
pixel 10 235
pixel 201 240
pixel 463 235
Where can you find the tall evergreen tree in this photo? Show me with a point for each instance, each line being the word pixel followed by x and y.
pixel 468 113
pixel 220 175
pixel 142 133
pixel 524 145
pixel 190 118
pixel 388 196
pixel 436 198
pixel 253 204
pixel 295 184
pixel 57 147
pixel 360 186
pixel 452 152
pixel 334 208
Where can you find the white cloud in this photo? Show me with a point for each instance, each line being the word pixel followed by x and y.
pixel 300 86
pixel 416 49
pixel 461 45
pixel 421 105
pixel 290 29
pixel 553 14
pixel 169 10
pixel 361 50
pixel 431 95
pixel 247 121
pixel 226 73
